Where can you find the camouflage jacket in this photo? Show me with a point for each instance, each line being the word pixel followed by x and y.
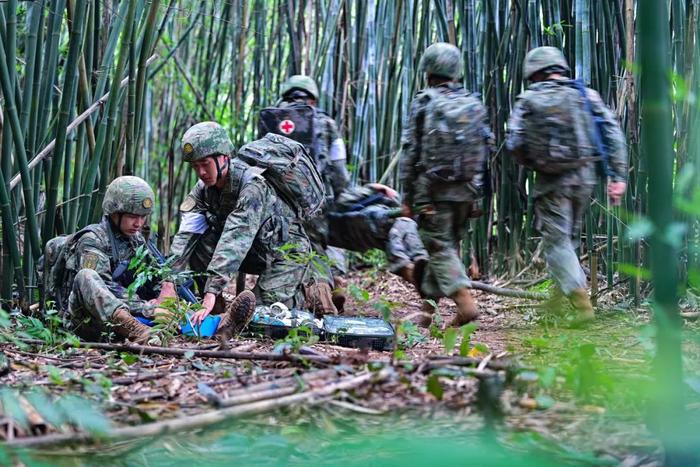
pixel 613 139
pixel 331 167
pixel 249 219
pixel 93 250
pixel 417 188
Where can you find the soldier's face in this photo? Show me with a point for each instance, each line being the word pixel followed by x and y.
pixel 129 224
pixel 207 171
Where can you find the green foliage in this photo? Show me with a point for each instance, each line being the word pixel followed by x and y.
pixel 296 339
pixel 450 340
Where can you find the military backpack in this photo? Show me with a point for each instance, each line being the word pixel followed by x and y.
pixel 557 129
pixel 453 143
pixel 290 170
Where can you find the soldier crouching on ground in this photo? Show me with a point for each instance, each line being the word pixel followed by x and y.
pixel 97 275
pixel 445 146
pixel 553 132
pixel 233 220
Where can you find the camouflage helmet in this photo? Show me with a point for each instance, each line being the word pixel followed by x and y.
pixel 305 83
pixel 541 58
pixel 442 59
pixel 128 194
pixel 205 139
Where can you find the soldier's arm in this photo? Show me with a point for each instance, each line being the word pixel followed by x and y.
pixel 91 255
pixel 193 223
pixel 337 170
pixel 410 147
pixel 613 138
pixel 515 134
pixel 241 227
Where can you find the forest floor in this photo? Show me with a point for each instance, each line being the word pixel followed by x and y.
pixel 583 388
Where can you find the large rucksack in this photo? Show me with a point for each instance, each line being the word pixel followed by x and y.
pixel 453 143
pixel 557 129
pixel 51 269
pixel 288 167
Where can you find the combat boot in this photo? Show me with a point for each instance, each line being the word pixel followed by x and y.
pixel 339 298
pixel 319 299
pixel 466 308
pixel 406 273
pixel 426 317
pixel 128 327
pixel 582 304
pixel 238 314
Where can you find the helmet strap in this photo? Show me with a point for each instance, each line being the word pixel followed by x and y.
pixel 219 169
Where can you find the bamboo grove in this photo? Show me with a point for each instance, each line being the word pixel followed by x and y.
pixel 95 89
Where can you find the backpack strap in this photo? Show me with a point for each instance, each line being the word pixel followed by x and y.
pixel 597 129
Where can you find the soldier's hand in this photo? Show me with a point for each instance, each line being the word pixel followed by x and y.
pixel 615 192
pixel 385 190
pixel 167 290
pixel 207 305
pixel 406 210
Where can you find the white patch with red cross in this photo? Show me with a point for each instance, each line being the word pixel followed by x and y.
pixel 287 127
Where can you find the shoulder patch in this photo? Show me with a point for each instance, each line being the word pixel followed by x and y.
pixel 89 261
pixel 188 204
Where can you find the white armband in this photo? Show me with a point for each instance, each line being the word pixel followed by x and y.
pixel 193 222
pixel 338 150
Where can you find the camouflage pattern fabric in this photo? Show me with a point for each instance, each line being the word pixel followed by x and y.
pixel 560 199
pixel 418 187
pixel 94 294
pixel 128 194
pixel 442 59
pixel 585 176
pixel 558 218
pixel 245 227
pixel 205 139
pixel 442 226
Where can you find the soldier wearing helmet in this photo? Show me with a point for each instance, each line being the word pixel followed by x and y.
pixel 567 112
pixel 233 220
pixel 98 274
pixel 447 132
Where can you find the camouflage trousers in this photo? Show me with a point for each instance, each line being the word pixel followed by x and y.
pixel 281 274
pixel 441 226
pixel 558 218
pixel 92 302
pixel 404 246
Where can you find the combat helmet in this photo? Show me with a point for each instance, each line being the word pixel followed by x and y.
pixel 442 59
pixel 302 82
pixel 205 139
pixel 127 194
pixel 542 58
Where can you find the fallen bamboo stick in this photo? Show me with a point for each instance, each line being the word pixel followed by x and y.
pixel 508 292
pixel 190 422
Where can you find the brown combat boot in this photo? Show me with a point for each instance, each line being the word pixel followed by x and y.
pixel 339 298
pixel 582 304
pixel 238 314
pixel 128 327
pixel 406 273
pixel 466 308
pixel 319 299
pixel 426 317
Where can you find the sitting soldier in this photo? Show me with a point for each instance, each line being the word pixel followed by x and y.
pixel 234 220
pixel 95 274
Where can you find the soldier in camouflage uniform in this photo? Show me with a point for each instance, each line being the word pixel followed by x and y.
pixel 442 209
pixel 330 157
pixel 97 271
pixel 233 220
pixel 561 198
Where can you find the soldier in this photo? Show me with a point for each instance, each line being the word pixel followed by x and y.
pixel 444 153
pixel 328 150
pixel 97 270
pixel 233 220
pixel 552 131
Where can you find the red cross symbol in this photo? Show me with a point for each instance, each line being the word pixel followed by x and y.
pixel 287 127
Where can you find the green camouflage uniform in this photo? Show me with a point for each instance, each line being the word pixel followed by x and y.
pixel 443 209
pixel 243 227
pixel 561 199
pixel 330 158
pixel 97 259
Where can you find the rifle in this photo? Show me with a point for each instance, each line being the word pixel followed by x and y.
pixel 598 124
pixel 183 290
